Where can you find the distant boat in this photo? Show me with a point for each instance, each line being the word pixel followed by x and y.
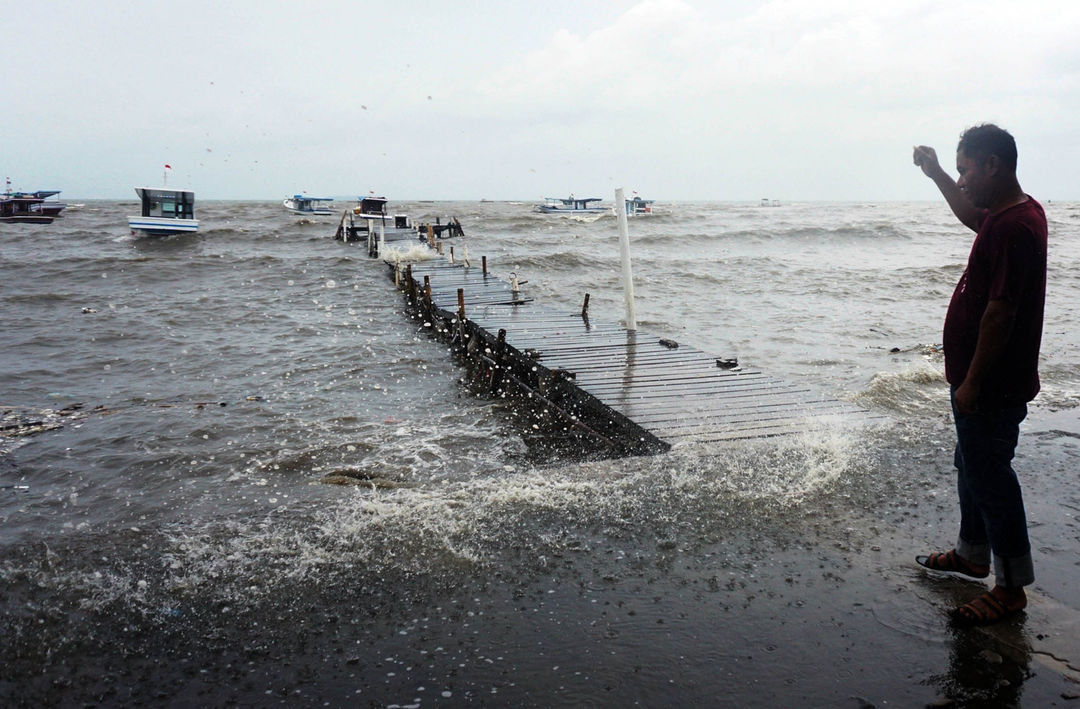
pixel 309 206
pixel 570 205
pixel 766 202
pixel 369 217
pixel 164 211
pixel 637 206
pixel 29 207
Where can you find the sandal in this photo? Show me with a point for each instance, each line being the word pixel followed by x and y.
pixel 953 563
pixel 984 610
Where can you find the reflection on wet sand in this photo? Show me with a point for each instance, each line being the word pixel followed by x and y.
pixel 988 665
pixel 983 669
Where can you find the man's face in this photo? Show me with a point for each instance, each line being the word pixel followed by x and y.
pixel 975 180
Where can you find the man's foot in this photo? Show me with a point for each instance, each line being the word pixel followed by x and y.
pixel 991 607
pixel 952 562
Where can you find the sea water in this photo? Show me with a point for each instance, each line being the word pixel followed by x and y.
pixel 214 389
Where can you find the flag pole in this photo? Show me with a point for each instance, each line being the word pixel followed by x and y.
pixel 624 249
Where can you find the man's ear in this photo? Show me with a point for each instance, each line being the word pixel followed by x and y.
pixel 992 164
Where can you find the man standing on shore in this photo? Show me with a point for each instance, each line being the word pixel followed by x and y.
pixel 992 334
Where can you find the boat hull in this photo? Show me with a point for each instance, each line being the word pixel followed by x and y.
pixel 162 226
pixel 28 219
pixel 320 212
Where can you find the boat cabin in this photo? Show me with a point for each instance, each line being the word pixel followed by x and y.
pixel 376 207
pixel 168 204
pixel 637 206
pixel 25 209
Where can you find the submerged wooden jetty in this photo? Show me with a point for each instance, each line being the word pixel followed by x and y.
pixel 610 390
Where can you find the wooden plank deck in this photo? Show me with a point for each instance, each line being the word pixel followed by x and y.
pixel 672 391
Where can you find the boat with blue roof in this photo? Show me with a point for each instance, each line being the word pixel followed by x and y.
pixel 307 206
pixel 571 205
pixel 29 207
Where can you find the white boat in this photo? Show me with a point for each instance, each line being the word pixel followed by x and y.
pixel 637 206
pixel 308 206
pixel 165 211
pixel 571 205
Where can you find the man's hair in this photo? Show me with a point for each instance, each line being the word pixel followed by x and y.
pixel 982 141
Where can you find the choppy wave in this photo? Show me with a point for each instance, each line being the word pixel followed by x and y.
pixel 374 535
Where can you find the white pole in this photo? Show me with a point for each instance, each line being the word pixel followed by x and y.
pixel 382 239
pixel 624 250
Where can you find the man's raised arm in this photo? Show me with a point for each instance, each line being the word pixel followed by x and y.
pixel 968 214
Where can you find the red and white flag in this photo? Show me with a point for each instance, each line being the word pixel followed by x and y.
pixel 168 167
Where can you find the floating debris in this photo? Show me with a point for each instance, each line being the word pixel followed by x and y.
pixel 16 422
pixel 360 477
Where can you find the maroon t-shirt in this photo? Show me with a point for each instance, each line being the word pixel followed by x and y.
pixel 1007 262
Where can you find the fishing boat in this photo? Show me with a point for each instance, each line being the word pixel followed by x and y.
pixel 368 221
pixel 165 211
pixel 29 207
pixel 308 206
pixel 637 206
pixel 571 205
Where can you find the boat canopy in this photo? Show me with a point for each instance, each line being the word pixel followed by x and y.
pixel 39 194
pixel 305 198
pixel 574 200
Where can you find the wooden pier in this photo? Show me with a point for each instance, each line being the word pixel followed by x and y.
pixel 612 391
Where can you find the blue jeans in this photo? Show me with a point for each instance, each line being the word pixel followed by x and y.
pixel 992 517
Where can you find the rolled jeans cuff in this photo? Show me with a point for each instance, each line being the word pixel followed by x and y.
pixel 1013 572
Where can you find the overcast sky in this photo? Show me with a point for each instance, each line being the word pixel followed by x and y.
pixel 677 99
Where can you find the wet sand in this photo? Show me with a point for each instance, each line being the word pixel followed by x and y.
pixel 824 610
